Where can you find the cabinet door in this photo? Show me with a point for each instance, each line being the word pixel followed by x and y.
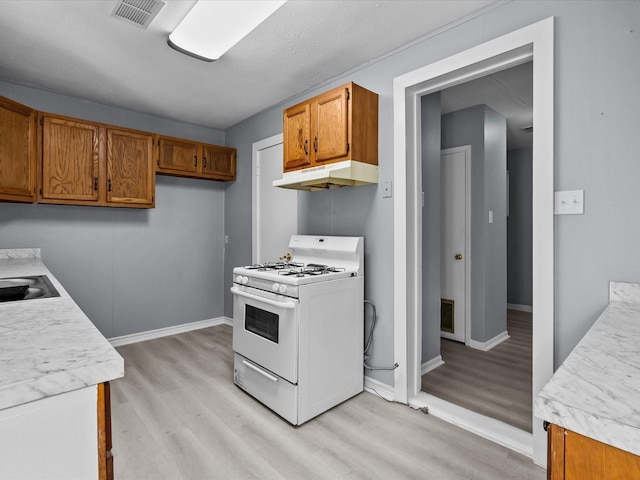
pixel 177 155
pixel 588 459
pixel 70 154
pixel 130 172
pixel 219 162
pixel 296 130
pixel 572 456
pixel 17 152
pixel 330 124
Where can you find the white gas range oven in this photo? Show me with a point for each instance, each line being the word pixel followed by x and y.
pixel 298 326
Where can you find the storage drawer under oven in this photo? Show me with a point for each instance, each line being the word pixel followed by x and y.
pixel 273 391
pixel 265 330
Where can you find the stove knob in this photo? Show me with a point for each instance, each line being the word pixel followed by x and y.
pixel 239 279
pixel 275 287
pixel 245 280
pixel 283 289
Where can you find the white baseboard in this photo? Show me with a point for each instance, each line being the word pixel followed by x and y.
pixel 378 388
pixel 489 344
pixel 521 308
pixel 165 332
pixel 432 364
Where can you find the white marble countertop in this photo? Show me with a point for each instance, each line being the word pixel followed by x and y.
pixel 596 391
pixel 48 346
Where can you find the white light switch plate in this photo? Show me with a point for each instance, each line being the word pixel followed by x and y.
pixel 387 189
pixel 569 202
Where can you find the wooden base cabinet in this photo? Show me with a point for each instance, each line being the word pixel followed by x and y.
pixel 572 456
pixel 86 163
pixel 18 153
pixel 105 459
pixel 195 160
pixel 338 125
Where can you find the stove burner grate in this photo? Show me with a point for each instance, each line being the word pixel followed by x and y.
pixel 264 267
pixel 311 269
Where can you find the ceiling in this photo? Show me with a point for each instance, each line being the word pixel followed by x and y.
pixel 509 92
pixel 76 47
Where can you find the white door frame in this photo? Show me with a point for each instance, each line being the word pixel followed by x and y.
pixel 467 241
pixel 255 208
pixel 532 42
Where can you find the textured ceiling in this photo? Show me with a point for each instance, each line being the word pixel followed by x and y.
pixel 76 47
pixel 509 92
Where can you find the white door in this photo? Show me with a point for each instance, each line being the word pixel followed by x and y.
pixel 453 242
pixel 275 210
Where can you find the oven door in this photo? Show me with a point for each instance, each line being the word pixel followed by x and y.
pixel 265 330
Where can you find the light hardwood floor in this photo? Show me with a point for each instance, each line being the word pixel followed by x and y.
pixel 177 415
pixel 496 383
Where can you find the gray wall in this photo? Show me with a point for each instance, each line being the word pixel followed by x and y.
pixel 431 120
pixel 596 114
pixel 519 227
pixel 129 270
pixel 485 131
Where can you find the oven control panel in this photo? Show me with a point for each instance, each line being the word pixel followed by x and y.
pixel 266 285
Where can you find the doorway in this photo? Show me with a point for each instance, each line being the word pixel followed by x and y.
pixel 534 42
pixel 491 373
pixel 455 248
pixel 275 210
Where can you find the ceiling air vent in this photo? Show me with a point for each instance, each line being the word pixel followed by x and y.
pixel 137 12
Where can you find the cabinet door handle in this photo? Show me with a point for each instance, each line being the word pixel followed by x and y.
pixel 315 144
pixel 95 183
pixel 306 149
pixel 108 185
pixel 195 160
pixel 204 162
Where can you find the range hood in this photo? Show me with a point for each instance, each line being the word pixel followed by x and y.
pixel 332 175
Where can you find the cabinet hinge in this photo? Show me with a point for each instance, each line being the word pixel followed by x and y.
pixel 40 191
pixel 347 148
pixel 348 94
pixel 41 121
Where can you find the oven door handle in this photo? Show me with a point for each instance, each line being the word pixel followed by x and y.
pixel 268 376
pixel 237 291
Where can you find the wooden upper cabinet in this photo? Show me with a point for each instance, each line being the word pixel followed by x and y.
pixel 51 158
pixel 297 137
pixel 176 155
pixel 195 160
pixel 70 161
pixel 219 162
pixel 86 163
pixel 340 124
pixel 331 125
pixel 18 152
pixel 130 172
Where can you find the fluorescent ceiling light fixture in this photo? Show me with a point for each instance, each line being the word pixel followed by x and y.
pixel 214 26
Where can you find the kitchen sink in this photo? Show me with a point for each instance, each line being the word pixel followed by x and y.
pixel 26 288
